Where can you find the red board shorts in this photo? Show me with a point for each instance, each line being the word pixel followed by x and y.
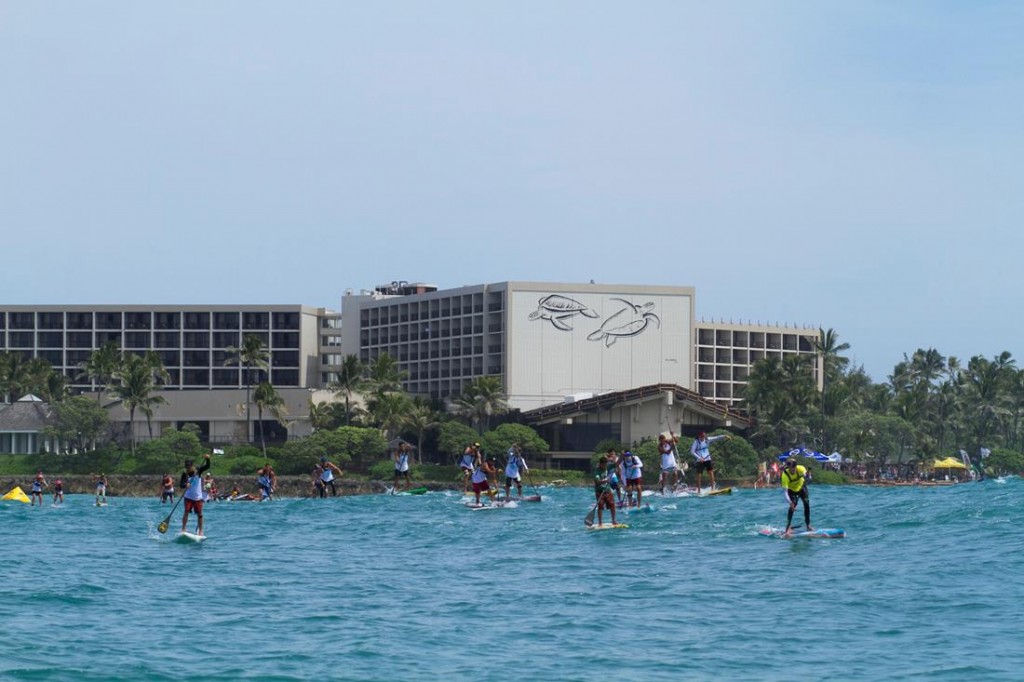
pixel 193 506
pixel 481 487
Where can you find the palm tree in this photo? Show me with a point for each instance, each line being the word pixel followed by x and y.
pixel 420 418
pixel 100 367
pixel 351 380
pixel 252 354
pixel 389 411
pixel 133 385
pixel 481 399
pixel 384 376
pixel 267 398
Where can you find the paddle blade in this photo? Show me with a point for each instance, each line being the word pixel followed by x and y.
pixel 164 525
pixel 589 521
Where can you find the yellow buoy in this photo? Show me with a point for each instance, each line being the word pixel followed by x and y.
pixel 16 494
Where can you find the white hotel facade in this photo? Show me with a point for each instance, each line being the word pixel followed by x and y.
pixel 595 359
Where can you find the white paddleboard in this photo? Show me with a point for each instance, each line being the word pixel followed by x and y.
pixel 823 533
pixel 187 537
pixel 607 526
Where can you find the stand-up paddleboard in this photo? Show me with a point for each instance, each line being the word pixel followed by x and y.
pixel 530 498
pixel 823 533
pixel 413 491
pixel 188 538
pixel 645 509
pixel 479 507
pixel 607 526
pixel 717 491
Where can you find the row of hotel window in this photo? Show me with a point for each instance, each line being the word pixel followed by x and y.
pixel 170 358
pixel 207 378
pixel 149 320
pixel 143 340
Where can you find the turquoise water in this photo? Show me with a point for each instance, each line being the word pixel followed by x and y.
pixel 927 585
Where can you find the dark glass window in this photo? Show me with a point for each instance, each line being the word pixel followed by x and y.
pixel 108 337
pixel 175 377
pixel 170 358
pixel 196 377
pixel 197 320
pixel 166 340
pixel 79 320
pixel 50 339
pixel 108 320
pixel 79 340
pixel 168 320
pixel 286 377
pixel 264 337
pixel 3 321
pixel 255 320
pixel 137 321
pixel 21 339
pixel 51 320
pixel 136 339
pixel 54 357
pixel 197 340
pixel 77 357
pixel 23 321
pixel 286 339
pixel 285 358
pixel 222 358
pixel 225 339
pixel 225 320
pixel 195 358
pixel 225 377
pixel 286 320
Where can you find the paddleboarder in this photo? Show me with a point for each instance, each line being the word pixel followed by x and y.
pixel 327 471
pixel 468 463
pixel 480 478
pixel 167 489
pixel 669 466
pixel 633 472
pixel 700 449
pixel 38 483
pixel 514 470
pixel 58 492
pixel 101 489
pixel 794 485
pixel 401 458
pixel 192 484
pixel 603 488
pixel 267 481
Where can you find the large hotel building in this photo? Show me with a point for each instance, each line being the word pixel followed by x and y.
pixel 581 361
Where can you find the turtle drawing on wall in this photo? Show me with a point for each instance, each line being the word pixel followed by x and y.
pixel 559 310
pixel 630 321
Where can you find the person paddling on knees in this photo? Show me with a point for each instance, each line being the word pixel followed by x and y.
pixel 702 453
pixel 603 489
pixel 192 483
pixel 794 484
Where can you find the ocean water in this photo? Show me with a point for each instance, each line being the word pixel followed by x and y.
pixel 927 585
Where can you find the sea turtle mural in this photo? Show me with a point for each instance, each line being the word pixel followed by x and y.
pixel 559 310
pixel 629 321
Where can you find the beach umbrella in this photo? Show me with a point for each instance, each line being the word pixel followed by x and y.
pixel 17 494
pixel 804 452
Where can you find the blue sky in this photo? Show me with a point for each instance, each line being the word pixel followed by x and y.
pixel 846 165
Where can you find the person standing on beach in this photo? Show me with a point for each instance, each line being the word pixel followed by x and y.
pixel 794 485
pixel 603 495
pixel 167 489
pixel 514 470
pixel 192 483
pixel 38 483
pixel 401 458
pixel 700 449
pixel 632 469
pixel 58 492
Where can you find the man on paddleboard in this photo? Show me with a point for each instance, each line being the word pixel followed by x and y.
pixel 603 488
pixel 669 466
pixel 327 471
pixel 632 471
pixel 402 466
pixel 192 483
pixel 167 490
pixel 38 483
pixel 468 463
pixel 480 478
pixel 794 484
pixel 700 449
pixel 514 470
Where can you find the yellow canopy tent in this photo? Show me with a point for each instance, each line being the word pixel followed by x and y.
pixel 948 463
pixel 16 494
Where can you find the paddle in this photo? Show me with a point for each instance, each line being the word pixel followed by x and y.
pixel 589 520
pixel 533 485
pixel 166 523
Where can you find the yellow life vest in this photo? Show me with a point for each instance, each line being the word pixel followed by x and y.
pixel 794 483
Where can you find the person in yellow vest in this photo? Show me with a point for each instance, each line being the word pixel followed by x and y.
pixel 794 485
